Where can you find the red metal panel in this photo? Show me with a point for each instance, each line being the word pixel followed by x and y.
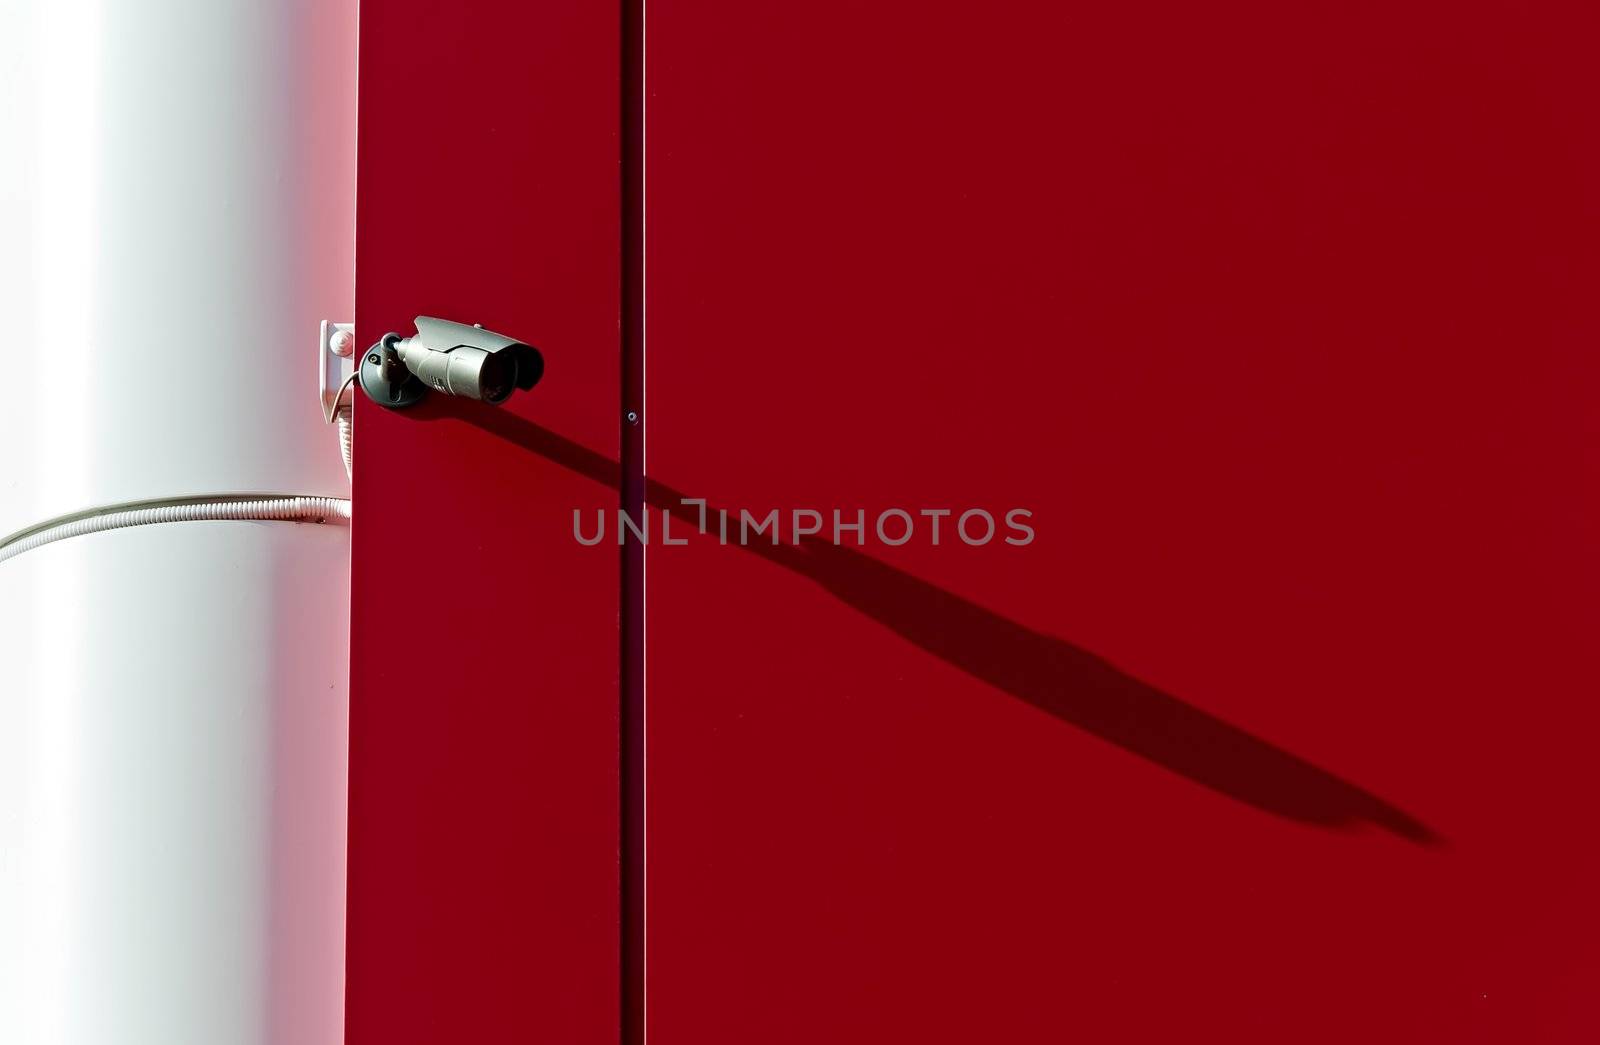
pixel 1280 320
pixel 484 732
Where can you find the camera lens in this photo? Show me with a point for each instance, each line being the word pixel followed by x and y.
pixel 497 377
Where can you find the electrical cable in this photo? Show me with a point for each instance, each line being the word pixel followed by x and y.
pixel 115 517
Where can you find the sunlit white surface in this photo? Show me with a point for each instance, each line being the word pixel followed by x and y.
pixel 44 840
pixel 176 217
pixel 66 126
pixel 173 729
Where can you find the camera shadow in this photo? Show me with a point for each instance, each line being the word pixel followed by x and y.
pixel 1065 681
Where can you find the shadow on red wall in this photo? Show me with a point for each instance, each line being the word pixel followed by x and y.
pixel 1055 676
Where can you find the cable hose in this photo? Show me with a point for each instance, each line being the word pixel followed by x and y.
pixel 243 509
pixel 275 509
pixel 346 419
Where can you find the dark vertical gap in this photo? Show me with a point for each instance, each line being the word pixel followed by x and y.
pixel 631 769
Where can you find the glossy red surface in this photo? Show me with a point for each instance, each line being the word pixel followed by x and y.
pixel 1280 319
pixel 1276 317
pixel 484 701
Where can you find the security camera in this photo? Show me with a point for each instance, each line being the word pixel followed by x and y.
pixel 452 358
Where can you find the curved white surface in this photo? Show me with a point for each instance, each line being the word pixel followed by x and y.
pixel 176 217
pixel 173 731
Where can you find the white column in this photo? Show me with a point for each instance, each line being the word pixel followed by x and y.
pixel 176 216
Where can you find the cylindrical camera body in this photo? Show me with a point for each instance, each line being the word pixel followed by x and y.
pixel 463 370
pixel 452 358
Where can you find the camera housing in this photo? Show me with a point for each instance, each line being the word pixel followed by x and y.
pixel 453 358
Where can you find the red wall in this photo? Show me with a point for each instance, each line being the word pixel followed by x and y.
pixel 1279 320
pixel 484 699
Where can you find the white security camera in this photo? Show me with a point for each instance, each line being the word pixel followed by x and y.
pixel 452 358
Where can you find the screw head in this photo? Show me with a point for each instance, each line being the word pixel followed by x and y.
pixel 374 358
pixel 633 417
pixel 342 343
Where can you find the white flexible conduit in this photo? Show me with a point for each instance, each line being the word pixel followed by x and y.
pixel 345 416
pixel 223 508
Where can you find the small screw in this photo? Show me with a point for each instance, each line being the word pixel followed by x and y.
pixel 374 358
pixel 633 417
pixel 342 343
